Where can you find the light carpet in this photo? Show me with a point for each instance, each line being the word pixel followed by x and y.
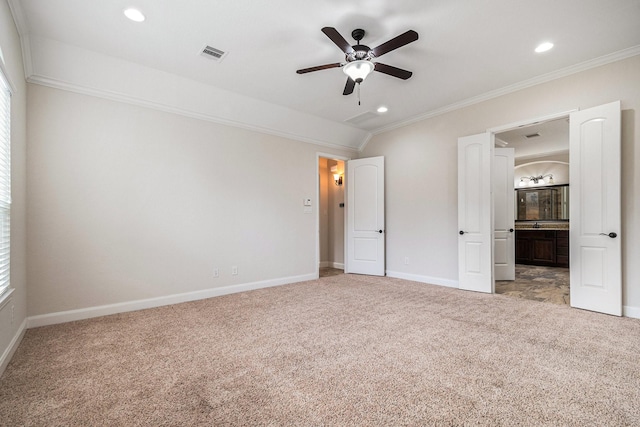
pixel 343 350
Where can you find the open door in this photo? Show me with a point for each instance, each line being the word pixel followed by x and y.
pixel 504 252
pixel 595 249
pixel 365 217
pixel 474 213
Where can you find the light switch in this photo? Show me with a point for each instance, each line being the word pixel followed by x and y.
pixel 307 202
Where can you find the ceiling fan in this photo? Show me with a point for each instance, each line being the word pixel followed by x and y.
pixel 359 58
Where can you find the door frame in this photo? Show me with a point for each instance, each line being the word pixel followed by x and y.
pixel 511 126
pixel 344 159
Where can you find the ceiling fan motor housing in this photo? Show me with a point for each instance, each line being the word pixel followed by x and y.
pixel 359 52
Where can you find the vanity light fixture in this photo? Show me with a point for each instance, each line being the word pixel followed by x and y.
pixel 134 14
pixel 536 180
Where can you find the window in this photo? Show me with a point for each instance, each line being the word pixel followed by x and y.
pixel 5 181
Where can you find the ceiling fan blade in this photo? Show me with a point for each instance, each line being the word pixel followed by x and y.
pixel 396 42
pixel 319 67
pixel 348 88
pixel 393 71
pixel 335 37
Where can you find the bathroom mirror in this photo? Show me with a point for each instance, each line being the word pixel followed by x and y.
pixel 543 203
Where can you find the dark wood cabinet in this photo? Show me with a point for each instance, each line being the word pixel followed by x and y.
pixel 542 247
pixel 562 248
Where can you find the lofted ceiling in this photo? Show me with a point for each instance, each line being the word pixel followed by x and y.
pixel 467 50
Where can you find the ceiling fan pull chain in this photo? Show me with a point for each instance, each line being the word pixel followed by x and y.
pixel 358 93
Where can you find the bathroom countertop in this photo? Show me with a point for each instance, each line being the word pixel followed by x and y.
pixel 543 226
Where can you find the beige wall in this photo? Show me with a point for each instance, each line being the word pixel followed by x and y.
pixel 127 203
pixel 12 326
pixel 421 169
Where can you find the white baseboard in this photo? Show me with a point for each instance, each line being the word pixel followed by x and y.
pixel 628 311
pixel 12 347
pixel 424 279
pixel 123 307
pixel 105 310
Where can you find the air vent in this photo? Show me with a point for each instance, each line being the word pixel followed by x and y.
pixel 532 135
pixel 213 53
pixel 361 118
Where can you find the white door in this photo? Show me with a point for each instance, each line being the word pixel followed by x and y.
pixel 504 251
pixel 595 255
pixel 365 216
pixel 474 213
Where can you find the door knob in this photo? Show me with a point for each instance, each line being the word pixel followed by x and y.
pixel 461 232
pixel 380 231
pixel 612 235
pixel 511 230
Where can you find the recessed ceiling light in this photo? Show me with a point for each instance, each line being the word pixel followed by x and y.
pixel 543 47
pixel 134 15
pixel 382 109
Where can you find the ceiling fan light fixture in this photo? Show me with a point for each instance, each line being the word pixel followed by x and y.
pixel 358 70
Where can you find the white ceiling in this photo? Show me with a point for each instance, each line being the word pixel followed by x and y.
pixel 467 49
pixel 552 139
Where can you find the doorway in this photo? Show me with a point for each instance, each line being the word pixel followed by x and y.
pixel 541 168
pixel 331 217
pixel 595 208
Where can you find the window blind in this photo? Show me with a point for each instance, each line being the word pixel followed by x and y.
pixel 5 182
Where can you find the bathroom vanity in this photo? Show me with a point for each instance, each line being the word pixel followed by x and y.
pixel 542 226
pixel 542 247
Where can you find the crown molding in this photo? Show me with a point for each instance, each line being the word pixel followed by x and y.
pixel 583 66
pixel 27 58
pixel 19 17
pixel 167 108
pixel 20 20
pixel 365 142
pixel 61 66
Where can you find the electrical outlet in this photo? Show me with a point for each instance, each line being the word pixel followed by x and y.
pixel 406 260
pixel 216 272
pixel 234 270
